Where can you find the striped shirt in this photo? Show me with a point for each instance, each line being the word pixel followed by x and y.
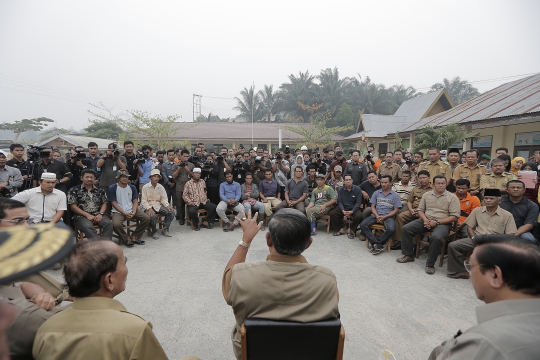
pixel 403 191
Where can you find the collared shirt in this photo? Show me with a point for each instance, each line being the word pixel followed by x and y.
pixel 166 171
pixel 13 177
pixel 369 188
pixel 268 189
pixel 59 168
pixel 131 167
pixel 438 207
pixel 281 288
pixel 296 189
pixel 89 201
pixel 350 200
pixel 195 192
pixel 98 328
pixel 474 174
pixel 393 170
pixel 416 195
pixel 357 171
pixel 42 207
pixel 482 223
pixel 524 212
pixel 93 164
pixel 230 191
pixel 153 197
pixel 467 205
pixel 26 168
pixel 124 196
pixel 506 329
pixel 403 191
pixel 146 167
pixel 490 180
pixel 183 176
pixel 279 175
pixel 335 184
pixel 322 195
pixel 438 168
pixel 109 170
pixel 385 203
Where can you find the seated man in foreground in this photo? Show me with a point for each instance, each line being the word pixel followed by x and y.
pixel 505 274
pixel 323 197
pixel 96 326
pixel 260 290
pixel 154 201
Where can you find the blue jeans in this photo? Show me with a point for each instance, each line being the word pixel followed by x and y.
pixel 257 207
pixel 389 229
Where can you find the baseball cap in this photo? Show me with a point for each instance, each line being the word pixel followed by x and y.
pixel 121 172
pixel 304 147
pixel 28 249
pixel 155 172
pixel 338 168
pixel 320 175
pixel 3 153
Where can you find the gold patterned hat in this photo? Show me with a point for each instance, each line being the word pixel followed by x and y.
pixel 25 250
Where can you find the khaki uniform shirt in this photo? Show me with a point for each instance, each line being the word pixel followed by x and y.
pixel 490 180
pixel 439 168
pixel 281 288
pixel 501 222
pixel 393 170
pixel 96 328
pixel 416 195
pixel 474 174
pixel 438 207
pixel 506 329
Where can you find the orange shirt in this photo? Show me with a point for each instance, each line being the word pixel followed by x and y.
pixel 468 204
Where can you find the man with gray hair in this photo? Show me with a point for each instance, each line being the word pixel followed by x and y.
pixel 277 289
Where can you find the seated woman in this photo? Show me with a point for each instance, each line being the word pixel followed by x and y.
pixel 250 196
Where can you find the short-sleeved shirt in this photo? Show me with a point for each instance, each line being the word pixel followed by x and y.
pixel 109 170
pixel 320 196
pixel 439 168
pixel 394 170
pixel 124 196
pixel 385 203
pixel 490 180
pixel 268 189
pixel 438 207
pixel 369 188
pixel 357 171
pixel 89 201
pixel 146 167
pixel 183 176
pixel 416 195
pixel 467 205
pixel 42 207
pixel 524 212
pixel 474 174
pixel 279 175
pixel 501 222
pixel 59 168
pixel 403 191
pixel 296 189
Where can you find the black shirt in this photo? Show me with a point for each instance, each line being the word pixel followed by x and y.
pixel 131 167
pixel 350 200
pixel 357 171
pixel 26 168
pixel 369 188
pixel 59 168
pixel 211 177
pixel 524 212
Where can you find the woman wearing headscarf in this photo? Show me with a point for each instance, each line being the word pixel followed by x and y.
pixel 517 163
pixel 299 162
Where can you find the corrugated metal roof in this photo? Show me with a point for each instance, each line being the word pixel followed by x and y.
pixel 80 141
pixel 515 98
pixel 238 131
pixel 416 108
pixel 378 126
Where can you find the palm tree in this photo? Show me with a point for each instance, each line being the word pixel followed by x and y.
pixel 300 89
pixel 248 105
pixel 374 98
pixel 268 102
pixel 442 137
pixel 459 90
pixel 332 91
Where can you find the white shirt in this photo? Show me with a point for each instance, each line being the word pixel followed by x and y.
pixel 42 207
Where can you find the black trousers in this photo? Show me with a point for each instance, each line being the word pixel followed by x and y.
pixel 210 207
pixel 415 227
pixel 336 215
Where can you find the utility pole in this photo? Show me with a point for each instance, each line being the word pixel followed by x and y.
pixel 196 106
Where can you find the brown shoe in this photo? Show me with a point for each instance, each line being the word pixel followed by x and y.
pixel 430 270
pixel 464 275
pixel 405 259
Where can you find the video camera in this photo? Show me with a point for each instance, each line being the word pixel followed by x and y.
pixel 278 155
pixel 408 160
pixel 287 150
pixel 115 152
pixel 34 153
pixel 219 159
pixel 257 160
pixel 208 165
pixel 141 155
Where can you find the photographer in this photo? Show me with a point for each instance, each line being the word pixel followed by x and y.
pixel 24 166
pixel 10 178
pixel 76 164
pixel 258 167
pixel 92 158
pixel 182 172
pixel 131 161
pixel 145 165
pixel 168 181
pixel 210 176
pixel 47 164
pixel 280 168
pixel 239 169
pixel 109 165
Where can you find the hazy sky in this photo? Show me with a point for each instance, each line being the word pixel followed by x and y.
pixel 57 56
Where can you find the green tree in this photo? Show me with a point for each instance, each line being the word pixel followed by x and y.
pixel 52 132
pixel 331 90
pixel 248 105
pixel 268 102
pixel 20 126
pixel 104 130
pixel 442 137
pixel 299 89
pixel 344 117
pixel 459 90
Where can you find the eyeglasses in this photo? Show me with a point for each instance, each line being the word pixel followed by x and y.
pixel 469 266
pixel 19 221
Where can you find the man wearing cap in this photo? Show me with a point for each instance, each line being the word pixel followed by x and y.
pixel 154 201
pixel 497 178
pixel 471 171
pixel 390 168
pixel 484 160
pixel 484 220
pixel 356 169
pixel 124 199
pixel 10 178
pixel 323 197
pixel 337 182
pixel 88 203
pixel 44 203
pixel 435 166
pixel 304 149
pixel 196 199
pixel 340 160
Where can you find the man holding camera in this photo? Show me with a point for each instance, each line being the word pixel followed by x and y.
pixel 239 169
pixel 210 175
pixel 76 164
pixel 24 166
pixel 280 168
pixel 47 164
pixel 258 167
pixel 131 159
pixel 145 165
pixel 109 166
pixel 182 172
pixel 356 169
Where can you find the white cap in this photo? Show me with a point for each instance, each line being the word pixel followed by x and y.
pixel 48 176
pixel 155 172
pixel 196 170
pixel 303 147
pixel 3 153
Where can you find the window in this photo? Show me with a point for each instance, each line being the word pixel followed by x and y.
pixel 262 146
pixel 483 145
pixel 526 144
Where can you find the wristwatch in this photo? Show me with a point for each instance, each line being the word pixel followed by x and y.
pixel 242 243
pixel 101 213
pixel 438 223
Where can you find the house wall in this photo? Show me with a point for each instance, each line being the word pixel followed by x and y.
pixel 504 135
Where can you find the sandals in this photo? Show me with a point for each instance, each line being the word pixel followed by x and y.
pixel 338 233
pixel 138 242
pixel 129 243
pixel 430 270
pixel 405 259
pixel 351 235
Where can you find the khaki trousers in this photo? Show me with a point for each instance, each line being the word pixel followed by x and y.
pixel 402 219
pixel 140 216
pixel 272 202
